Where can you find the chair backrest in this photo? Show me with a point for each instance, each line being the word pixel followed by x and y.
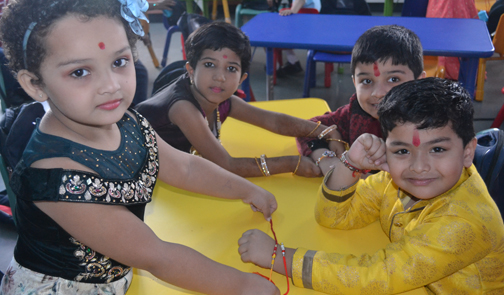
pixel 168 75
pixel 189 22
pixel 170 18
pixel 494 14
pixel 16 127
pixel 489 161
pixel 498 39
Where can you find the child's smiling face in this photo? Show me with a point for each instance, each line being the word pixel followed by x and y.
pixel 88 74
pixel 217 75
pixel 426 163
pixel 373 81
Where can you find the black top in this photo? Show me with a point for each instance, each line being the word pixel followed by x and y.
pixel 156 110
pixel 124 177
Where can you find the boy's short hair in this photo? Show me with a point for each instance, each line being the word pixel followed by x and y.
pixel 215 36
pixel 428 103
pixel 391 41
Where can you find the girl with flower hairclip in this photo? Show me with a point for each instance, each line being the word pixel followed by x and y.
pixel 90 167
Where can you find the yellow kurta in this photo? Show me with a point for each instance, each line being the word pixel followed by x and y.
pixel 451 244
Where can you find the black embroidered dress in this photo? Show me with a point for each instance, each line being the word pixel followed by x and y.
pixel 124 177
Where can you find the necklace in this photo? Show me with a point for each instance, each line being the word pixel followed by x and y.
pixel 217 128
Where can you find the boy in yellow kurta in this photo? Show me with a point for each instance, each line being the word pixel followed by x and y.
pixel 445 231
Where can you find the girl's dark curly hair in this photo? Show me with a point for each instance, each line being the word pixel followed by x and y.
pixel 19 14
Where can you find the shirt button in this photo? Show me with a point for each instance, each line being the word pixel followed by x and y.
pixel 398 224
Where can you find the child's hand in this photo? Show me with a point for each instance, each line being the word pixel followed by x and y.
pixel 307 168
pixel 368 152
pixel 256 247
pixel 258 285
pixel 286 12
pixel 263 202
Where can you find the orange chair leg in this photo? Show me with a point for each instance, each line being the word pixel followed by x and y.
pixel 227 17
pixel 480 81
pixel 214 10
pixel 329 68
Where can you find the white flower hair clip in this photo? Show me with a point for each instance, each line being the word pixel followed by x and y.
pixel 131 11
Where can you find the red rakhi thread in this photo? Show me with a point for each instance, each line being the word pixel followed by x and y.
pixel 273 231
pixel 283 256
pixel 285 265
pixel 273 256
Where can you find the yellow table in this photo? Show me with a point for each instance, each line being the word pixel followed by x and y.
pixel 213 226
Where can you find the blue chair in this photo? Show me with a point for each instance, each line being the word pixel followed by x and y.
pixel 170 31
pixel 321 56
pixel 416 8
pixel 240 11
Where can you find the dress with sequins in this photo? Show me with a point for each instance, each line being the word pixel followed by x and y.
pixel 124 177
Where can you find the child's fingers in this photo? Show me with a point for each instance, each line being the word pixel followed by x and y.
pixel 385 167
pixel 253 244
pixel 375 148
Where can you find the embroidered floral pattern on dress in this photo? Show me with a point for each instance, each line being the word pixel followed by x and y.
pixel 96 265
pixel 87 186
pixel 84 186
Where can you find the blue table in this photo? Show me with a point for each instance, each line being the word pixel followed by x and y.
pixel 467 39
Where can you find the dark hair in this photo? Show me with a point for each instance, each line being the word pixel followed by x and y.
pixel 392 41
pixel 428 103
pixel 215 36
pixel 19 14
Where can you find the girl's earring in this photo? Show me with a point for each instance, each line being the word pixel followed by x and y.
pixel 191 81
pixel 40 95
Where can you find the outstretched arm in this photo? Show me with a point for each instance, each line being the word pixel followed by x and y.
pixel 198 175
pixel 116 233
pixel 196 130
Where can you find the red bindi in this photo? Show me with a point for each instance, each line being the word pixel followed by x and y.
pixel 101 45
pixel 416 138
pixel 224 56
pixel 376 70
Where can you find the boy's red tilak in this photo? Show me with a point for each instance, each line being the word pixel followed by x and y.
pixel 376 70
pixel 224 56
pixel 101 45
pixel 416 138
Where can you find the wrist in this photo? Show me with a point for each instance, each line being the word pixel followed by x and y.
pixel 297 162
pixel 345 159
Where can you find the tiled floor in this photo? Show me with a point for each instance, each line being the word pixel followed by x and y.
pixel 288 88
